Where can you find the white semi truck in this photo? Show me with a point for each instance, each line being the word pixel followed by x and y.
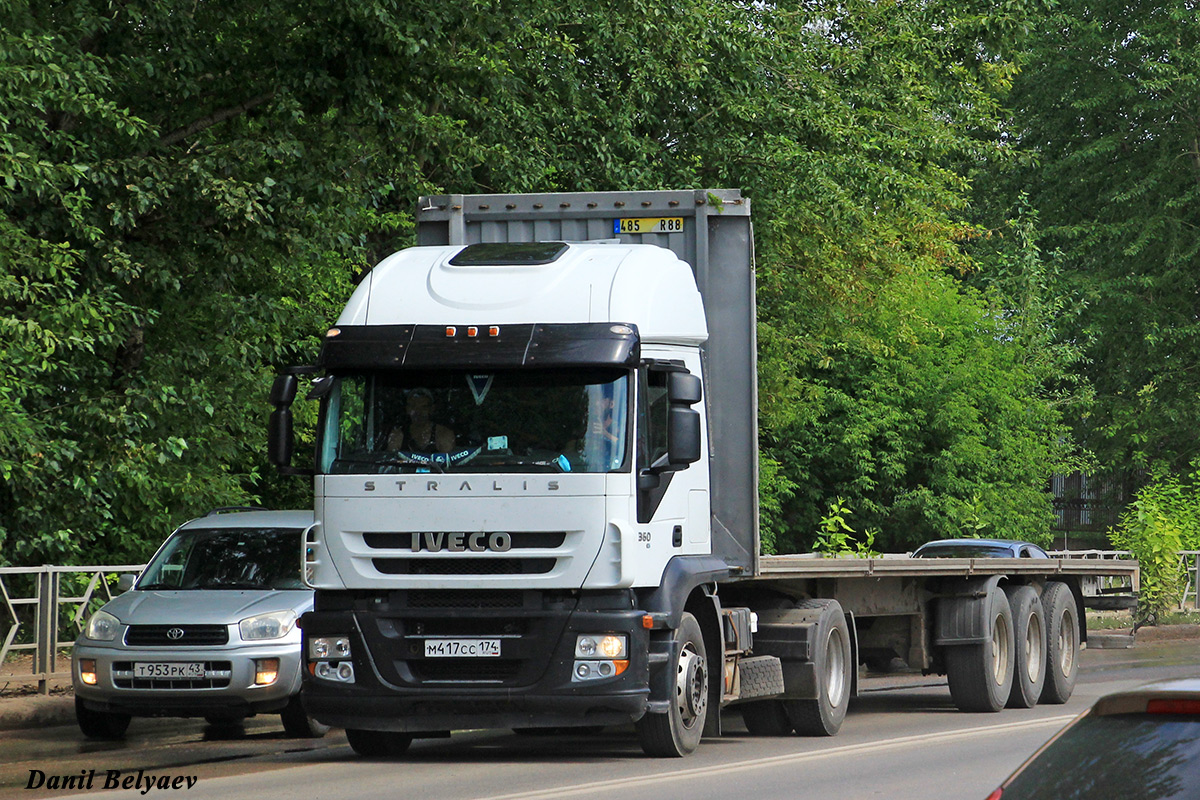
pixel 537 502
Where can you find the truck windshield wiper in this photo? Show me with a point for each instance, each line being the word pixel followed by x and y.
pixel 393 460
pixel 559 464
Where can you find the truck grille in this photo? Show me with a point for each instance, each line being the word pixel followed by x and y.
pixel 176 635
pixel 398 557
pixel 521 540
pixel 217 675
pixel 458 565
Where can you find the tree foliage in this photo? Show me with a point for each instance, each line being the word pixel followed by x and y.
pixel 187 192
pixel 1108 103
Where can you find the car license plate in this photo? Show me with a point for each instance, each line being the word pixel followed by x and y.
pixel 462 648
pixel 193 669
pixel 648 225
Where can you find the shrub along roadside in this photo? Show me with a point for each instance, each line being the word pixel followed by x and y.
pixel 1163 519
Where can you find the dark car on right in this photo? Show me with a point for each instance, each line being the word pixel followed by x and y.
pixel 1141 744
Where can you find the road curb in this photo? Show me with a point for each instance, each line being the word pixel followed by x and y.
pixel 36 711
pixel 1109 641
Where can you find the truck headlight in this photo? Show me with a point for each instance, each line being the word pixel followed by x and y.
pixel 601 645
pixel 102 627
pixel 332 648
pixel 274 625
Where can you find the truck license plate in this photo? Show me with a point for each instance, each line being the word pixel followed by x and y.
pixel 462 648
pixel 175 670
pixel 648 225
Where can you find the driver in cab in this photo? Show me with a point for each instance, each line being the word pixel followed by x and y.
pixel 421 433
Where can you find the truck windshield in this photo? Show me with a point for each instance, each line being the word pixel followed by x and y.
pixel 530 420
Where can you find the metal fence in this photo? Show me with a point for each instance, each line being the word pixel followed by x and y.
pixel 44 609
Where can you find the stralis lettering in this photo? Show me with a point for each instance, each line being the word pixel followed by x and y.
pixel 143 781
pixel 459 542
pixel 443 486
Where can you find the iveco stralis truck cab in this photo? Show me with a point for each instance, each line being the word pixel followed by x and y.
pixel 513 492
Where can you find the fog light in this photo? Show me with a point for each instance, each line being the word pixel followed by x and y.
pixel 87 671
pixel 266 671
pixel 345 671
pixel 583 670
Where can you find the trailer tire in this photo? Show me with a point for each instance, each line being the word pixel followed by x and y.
pixel 378 744
pixel 677 731
pixel 1029 635
pixel 833 665
pixel 766 718
pixel 1062 642
pixel 981 675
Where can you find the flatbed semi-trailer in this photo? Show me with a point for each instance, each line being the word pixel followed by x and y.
pixel 537 500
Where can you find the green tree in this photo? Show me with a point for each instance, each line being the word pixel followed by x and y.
pixel 1109 104
pixel 187 191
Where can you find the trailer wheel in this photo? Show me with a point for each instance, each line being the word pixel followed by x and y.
pixel 676 732
pixel 378 744
pixel 766 718
pixel 981 675
pixel 1062 645
pixel 833 665
pixel 1029 635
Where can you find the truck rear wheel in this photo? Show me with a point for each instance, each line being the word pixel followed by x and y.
pixel 981 675
pixel 676 732
pixel 766 718
pixel 378 744
pixel 833 666
pixel 1029 634
pixel 1062 642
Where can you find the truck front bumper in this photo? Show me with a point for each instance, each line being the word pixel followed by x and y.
pixel 534 682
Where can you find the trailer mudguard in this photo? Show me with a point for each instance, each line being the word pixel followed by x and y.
pixel 962 612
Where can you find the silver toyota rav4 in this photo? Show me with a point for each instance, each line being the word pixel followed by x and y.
pixel 207 630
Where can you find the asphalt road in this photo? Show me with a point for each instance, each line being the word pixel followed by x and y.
pixel 903 744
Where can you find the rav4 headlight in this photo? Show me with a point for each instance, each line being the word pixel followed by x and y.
pixel 275 625
pixel 102 627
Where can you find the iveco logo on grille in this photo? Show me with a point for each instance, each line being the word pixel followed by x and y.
pixel 174 634
pixel 460 542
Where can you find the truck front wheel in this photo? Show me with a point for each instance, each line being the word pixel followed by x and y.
pixel 981 675
pixel 833 666
pixel 676 732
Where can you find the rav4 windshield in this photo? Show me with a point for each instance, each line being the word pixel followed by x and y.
pixel 548 420
pixel 226 558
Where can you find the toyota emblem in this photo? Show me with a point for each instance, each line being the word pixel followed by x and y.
pixel 174 633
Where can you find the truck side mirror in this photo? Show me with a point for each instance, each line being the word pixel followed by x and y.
pixel 683 436
pixel 281 441
pixel 683 388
